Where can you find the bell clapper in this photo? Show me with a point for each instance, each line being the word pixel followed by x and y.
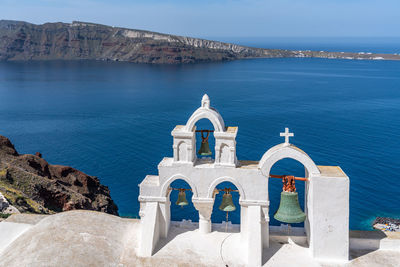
pixel 226 225
pixel 227 203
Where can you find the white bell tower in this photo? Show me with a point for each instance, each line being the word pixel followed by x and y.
pixel 185 138
pixel 326 192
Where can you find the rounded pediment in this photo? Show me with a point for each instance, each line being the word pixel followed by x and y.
pixel 286 150
pixel 206 112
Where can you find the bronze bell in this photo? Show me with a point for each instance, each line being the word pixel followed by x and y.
pixel 182 201
pixel 227 203
pixel 289 210
pixel 205 147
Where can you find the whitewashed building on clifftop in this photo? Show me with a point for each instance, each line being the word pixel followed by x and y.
pixel 326 192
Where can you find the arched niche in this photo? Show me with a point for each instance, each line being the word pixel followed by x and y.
pixel 225 153
pixel 182 151
pixel 179 213
pixel 285 166
pixel 218 198
pixel 218 216
pixel 283 151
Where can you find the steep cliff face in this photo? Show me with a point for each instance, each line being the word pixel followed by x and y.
pixel 88 41
pixel 31 184
pixel 80 40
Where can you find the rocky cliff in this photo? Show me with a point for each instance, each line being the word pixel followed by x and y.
pixel 88 41
pixel 80 40
pixel 31 184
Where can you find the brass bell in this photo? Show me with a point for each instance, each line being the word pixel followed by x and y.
pixel 205 147
pixel 182 199
pixel 227 203
pixel 289 210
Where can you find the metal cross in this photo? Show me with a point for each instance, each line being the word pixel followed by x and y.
pixel 286 134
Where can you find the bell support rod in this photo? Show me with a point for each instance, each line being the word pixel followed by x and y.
pixel 209 131
pixel 180 189
pixel 227 190
pixel 288 181
pixel 219 190
pixel 283 176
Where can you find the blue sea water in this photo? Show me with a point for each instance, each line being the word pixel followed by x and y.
pixel 114 120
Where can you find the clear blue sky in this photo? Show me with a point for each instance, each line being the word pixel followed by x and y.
pixel 222 18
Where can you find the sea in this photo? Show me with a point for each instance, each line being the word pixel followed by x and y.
pixel 114 120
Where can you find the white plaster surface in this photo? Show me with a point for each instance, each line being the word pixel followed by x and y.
pixel 75 238
pixel 10 231
pixel 86 238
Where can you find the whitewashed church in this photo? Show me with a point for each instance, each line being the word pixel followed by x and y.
pixel 326 203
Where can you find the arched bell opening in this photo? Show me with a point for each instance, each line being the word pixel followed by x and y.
pixel 226 207
pixel 181 205
pixel 286 209
pixel 205 140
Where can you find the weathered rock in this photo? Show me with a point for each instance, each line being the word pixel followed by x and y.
pixel 5 206
pixel 7 147
pixel 33 185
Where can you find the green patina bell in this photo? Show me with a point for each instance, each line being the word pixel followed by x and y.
pixel 227 203
pixel 205 149
pixel 182 199
pixel 289 210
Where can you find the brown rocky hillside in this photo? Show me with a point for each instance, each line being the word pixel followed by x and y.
pixel 32 185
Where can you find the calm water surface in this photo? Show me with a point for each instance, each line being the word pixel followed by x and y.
pixel 114 120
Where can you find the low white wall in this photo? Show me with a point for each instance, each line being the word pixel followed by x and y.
pixel 374 240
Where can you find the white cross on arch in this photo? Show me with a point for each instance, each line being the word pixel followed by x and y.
pixel 286 134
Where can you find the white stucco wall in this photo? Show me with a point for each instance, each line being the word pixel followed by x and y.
pixel 328 212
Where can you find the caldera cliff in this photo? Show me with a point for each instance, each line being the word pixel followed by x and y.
pixel 88 41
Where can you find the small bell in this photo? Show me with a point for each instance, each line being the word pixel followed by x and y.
pixel 289 210
pixel 227 203
pixel 182 199
pixel 205 147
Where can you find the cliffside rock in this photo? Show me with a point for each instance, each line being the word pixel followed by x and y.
pixel 80 40
pixel 33 185
pixel 7 147
pixel 5 206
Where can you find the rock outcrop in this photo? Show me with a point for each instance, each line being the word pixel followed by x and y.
pixel 6 208
pixel 32 185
